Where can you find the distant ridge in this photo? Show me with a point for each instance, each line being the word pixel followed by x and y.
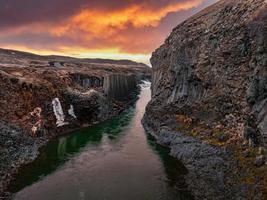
pixel 17 53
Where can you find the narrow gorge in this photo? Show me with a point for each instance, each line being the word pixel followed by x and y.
pixel 192 126
pixel 42 97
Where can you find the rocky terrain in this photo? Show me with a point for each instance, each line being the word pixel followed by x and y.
pixel 209 99
pixel 44 96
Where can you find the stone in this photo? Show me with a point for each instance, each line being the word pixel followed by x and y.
pixel 261 151
pixel 246 153
pixel 222 137
pixel 259 161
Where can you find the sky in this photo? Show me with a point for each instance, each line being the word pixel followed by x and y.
pixel 115 29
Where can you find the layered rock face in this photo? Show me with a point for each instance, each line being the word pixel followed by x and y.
pixel 44 96
pixel 211 72
pixel 214 64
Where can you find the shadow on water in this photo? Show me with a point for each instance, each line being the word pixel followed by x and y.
pixel 60 150
pixel 174 169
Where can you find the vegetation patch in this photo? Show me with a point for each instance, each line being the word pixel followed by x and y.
pixel 224 137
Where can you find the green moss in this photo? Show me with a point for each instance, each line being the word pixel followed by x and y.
pixel 250 174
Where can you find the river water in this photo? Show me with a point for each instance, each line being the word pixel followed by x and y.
pixel 114 160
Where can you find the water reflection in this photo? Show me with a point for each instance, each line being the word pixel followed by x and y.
pixel 62 149
pixel 174 169
pixel 113 160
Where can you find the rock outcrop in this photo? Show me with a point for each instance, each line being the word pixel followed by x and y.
pixel 50 83
pixel 212 71
pixel 44 96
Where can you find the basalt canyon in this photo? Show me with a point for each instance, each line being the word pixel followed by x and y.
pixel 209 99
pixel 45 96
pixel 192 126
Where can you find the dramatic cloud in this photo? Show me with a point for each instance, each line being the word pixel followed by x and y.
pixel 88 28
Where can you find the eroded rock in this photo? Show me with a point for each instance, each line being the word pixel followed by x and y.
pixel 212 68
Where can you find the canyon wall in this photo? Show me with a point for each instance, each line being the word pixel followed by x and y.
pixel 209 93
pixel 90 86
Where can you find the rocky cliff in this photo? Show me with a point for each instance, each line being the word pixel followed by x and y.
pixel 209 98
pixel 44 96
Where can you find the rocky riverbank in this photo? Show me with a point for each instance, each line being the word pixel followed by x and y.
pixel 42 97
pixel 209 99
pixel 214 172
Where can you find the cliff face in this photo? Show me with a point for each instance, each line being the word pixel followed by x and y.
pixel 215 63
pixel 44 96
pixel 30 81
pixel 209 78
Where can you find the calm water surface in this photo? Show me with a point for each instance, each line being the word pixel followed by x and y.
pixel 114 160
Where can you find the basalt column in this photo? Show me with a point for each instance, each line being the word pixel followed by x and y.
pixel 119 86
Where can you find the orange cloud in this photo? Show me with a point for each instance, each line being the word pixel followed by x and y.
pixel 106 23
pixel 130 29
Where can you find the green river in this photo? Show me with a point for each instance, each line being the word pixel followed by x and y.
pixel 115 160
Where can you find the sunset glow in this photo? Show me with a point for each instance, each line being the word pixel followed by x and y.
pixel 93 29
